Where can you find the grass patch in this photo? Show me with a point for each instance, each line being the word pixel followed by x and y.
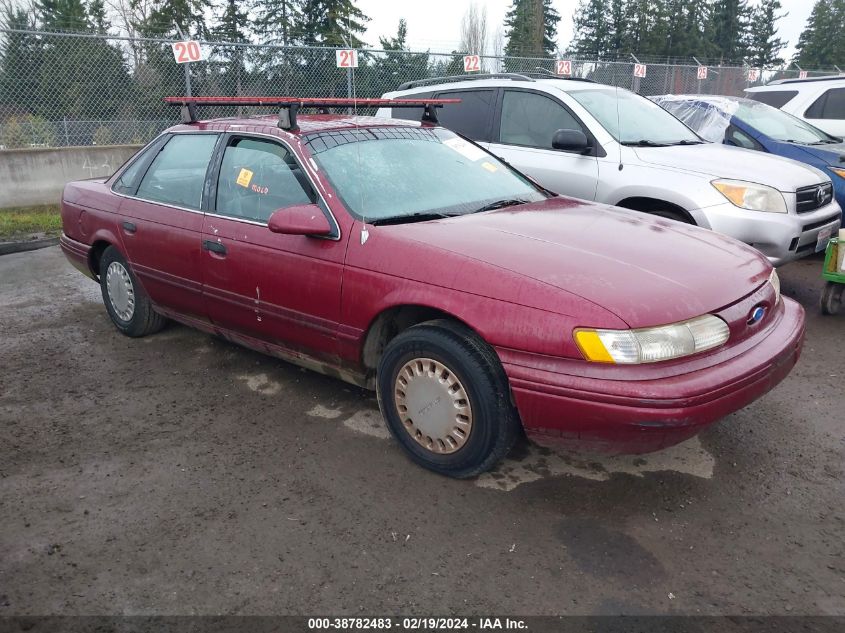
pixel 19 221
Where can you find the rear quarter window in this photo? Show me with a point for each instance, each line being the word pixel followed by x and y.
pixel 774 98
pixel 470 117
pixel 831 105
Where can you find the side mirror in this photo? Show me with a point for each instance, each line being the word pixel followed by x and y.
pixel 571 141
pixel 300 219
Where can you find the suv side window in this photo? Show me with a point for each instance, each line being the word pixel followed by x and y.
pixel 531 119
pixel 831 105
pixel 736 137
pixel 470 117
pixel 257 177
pixel 774 98
pixel 177 175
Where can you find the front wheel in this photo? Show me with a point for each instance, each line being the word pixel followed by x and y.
pixel 831 301
pixel 445 398
pixel 128 305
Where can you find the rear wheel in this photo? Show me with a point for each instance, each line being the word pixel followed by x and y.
pixel 445 398
pixel 126 302
pixel 832 298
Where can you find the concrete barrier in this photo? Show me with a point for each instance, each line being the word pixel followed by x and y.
pixel 37 175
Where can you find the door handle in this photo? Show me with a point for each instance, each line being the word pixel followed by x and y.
pixel 129 227
pixel 214 247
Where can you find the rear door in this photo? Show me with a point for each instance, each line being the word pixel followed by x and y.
pixel 523 128
pixel 283 289
pixel 161 220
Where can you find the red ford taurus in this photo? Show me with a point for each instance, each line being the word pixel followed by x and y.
pixel 402 258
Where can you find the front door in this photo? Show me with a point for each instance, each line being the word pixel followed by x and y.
pixel 161 222
pixel 282 289
pixel 526 125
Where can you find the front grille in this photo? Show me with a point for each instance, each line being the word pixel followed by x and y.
pixel 810 200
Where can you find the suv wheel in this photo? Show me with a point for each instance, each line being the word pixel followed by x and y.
pixel 445 398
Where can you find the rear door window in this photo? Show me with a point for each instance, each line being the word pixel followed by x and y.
pixel 531 119
pixel 470 117
pixel 831 105
pixel 257 177
pixel 177 175
pixel 774 98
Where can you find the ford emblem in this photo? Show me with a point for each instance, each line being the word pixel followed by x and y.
pixel 756 315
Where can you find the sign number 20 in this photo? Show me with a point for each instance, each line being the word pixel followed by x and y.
pixel 185 52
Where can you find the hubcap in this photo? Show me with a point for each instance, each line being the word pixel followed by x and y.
pixel 433 405
pixel 120 291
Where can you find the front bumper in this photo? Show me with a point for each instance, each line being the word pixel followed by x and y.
pixel 781 237
pixel 643 414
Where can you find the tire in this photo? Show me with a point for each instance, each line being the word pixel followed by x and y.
pixel 128 305
pixel 831 300
pixel 445 368
pixel 670 215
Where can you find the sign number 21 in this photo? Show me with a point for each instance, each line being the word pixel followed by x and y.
pixel 347 58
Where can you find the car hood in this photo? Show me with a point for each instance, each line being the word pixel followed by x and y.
pixel 645 270
pixel 833 155
pixel 719 161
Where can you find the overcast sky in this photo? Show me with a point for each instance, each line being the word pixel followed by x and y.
pixel 435 24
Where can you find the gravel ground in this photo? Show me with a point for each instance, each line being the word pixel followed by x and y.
pixel 179 474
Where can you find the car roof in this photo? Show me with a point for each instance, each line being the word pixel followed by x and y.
pixel 796 84
pixel 308 124
pixel 716 100
pixel 548 84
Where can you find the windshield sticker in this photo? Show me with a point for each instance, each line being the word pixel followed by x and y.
pixel 465 149
pixel 244 177
pixel 489 167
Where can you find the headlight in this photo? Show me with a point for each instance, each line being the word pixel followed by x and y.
pixel 649 345
pixel 749 195
pixel 775 281
pixel 838 172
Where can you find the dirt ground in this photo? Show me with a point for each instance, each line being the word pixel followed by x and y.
pixel 180 474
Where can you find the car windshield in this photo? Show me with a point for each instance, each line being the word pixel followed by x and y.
pixel 779 125
pixel 398 174
pixel 632 119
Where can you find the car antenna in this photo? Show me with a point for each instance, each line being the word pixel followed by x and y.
pixel 618 129
pixel 365 233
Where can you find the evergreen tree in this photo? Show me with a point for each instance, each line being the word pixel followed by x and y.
pixel 278 20
pixel 531 28
pixel 729 23
pixel 164 16
pixel 592 29
pixel 21 56
pixel 63 15
pixel 335 23
pixel 763 43
pixel 821 44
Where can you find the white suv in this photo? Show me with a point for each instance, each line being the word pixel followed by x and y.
pixel 596 142
pixel 820 100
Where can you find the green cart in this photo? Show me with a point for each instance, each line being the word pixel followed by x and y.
pixel 834 279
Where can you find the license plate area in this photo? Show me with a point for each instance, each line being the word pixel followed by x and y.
pixel 823 238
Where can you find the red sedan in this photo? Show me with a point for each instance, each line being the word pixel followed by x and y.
pixel 400 257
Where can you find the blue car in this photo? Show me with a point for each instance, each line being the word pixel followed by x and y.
pixel 754 125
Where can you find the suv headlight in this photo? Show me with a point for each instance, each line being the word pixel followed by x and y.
pixel 749 195
pixel 649 345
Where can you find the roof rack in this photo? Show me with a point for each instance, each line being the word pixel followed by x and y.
pixel 548 74
pixel 289 106
pixel 778 82
pixel 454 78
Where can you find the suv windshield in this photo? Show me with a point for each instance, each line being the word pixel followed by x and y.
pixel 395 174
pixel 632 119
pixel 779 125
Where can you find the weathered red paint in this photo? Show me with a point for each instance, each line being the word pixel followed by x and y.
pixel 523 278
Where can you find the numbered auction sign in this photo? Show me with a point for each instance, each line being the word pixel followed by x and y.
pixel 639 70
pixel 347 58
pixel 802 74
pixel 186 52
pixel 472 63
pixel 702 72
pixel 563 67
pixel 753 74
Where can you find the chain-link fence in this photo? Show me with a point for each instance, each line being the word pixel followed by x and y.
pixel 59 89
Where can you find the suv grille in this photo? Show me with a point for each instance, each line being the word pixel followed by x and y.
pixel 811 198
